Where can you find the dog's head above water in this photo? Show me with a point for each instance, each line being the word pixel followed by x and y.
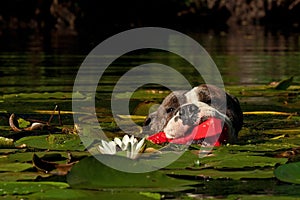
pixel 158 120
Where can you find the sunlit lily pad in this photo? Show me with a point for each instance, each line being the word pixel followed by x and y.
pixel 14 167
pixel 53 142
pixel 6 143
pixel 240 160
pixel 21 188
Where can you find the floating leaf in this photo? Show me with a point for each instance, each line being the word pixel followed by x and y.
pixel 53 142
pixel 21 188
pixel 240 160
pixel 145 108
pixel 23 123
pixel 14 167
pixel 90 173
pixel 75 194
pixel 224 174
pixel 284 84
pixel 49 167
pixel 17 176
pixel 6 143
pixel 288 173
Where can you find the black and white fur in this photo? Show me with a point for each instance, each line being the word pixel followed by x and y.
pixel 191 108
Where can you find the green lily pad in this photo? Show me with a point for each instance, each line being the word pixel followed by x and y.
pixel 224 159
pixel 240 161
pixel 220 174
pixel 261 196
pixel 16 176
pixel 23 123
pixel 74 194
pixel 90 173
pixel 27 156
pixel 288 173
pixel 53 142
pixel 21 188
pixel 45 95
pixel 14 167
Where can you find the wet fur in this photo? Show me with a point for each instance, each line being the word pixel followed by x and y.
pixel 158 120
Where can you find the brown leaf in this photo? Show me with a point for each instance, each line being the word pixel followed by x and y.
pixel 51 167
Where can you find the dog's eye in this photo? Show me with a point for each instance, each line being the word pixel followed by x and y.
pixel 170 110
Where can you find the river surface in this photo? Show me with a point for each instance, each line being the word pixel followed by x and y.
pixel 30 64
pixel 36 74
pixel 247 57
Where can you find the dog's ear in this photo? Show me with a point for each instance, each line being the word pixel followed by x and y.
pixel 150 117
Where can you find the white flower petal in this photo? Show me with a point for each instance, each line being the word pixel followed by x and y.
pixel 118 142
pixel 131 140
pixel 107 147
pixel 139 145
pixel 112 146
pixel 125 139
pixel 129 151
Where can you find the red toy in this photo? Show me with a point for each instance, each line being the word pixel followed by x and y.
pixel 211 130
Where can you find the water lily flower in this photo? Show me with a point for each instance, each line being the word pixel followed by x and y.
pixel 108 147
pixel 122 144
pixel 134 147
pixel 129 144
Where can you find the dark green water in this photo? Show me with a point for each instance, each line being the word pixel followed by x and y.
pixel 252 57
pixel 244 57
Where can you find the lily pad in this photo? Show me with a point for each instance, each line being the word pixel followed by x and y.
pixel 240 161
pixel 15 176
pixel 53 142
pixel 27 156
pixel 74 194
pixel 223 174
pixel 23 123
pixel 14 167
pixel 284 84
pixel 225 159
pixel 90 173
pixel 6 143
pixel 288 173
pixel 21 188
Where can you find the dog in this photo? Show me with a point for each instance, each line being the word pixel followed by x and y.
pixel 193 107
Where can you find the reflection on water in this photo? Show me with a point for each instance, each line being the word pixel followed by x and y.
pixel 253 57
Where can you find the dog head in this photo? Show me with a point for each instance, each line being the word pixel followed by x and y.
pixel 157 120
pixel 209 94
pixel 190 115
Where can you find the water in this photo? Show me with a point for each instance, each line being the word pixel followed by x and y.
pixel 243 57
pixel 36 77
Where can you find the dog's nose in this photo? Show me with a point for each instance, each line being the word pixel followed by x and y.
pixel 189 114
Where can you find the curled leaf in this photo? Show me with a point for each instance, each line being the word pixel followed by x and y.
pixel 284 84
pixel 51 167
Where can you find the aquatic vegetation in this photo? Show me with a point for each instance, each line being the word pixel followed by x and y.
pixel 130 145
pixel 107 147
pixel 252 166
